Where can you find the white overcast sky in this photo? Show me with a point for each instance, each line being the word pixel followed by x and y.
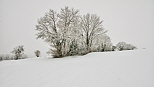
pixel 131 21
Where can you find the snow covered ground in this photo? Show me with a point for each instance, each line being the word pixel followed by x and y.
pixel 100 69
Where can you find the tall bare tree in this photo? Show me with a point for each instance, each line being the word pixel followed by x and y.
pixel 68 20
pixel 47 30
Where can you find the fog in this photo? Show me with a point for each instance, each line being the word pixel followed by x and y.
pixel 131 21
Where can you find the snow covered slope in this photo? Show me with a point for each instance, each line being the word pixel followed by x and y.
pixel 108 69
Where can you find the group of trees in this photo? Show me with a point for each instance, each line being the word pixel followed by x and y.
pixel 69 33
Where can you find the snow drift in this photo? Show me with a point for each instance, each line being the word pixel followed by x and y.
pixel 100 69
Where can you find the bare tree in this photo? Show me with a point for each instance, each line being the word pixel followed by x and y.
pixel 18 51
pixel 56 29
pixel 47 30
pixel 91 26
pixel 68 24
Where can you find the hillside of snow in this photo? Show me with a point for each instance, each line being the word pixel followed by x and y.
pixel 100 69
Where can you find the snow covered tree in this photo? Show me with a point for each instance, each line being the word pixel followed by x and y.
pixel 37 53
pixel 73 48
pixel 102 43
pixel 130 47
pixel 68 25
pixel 91 26
pixel 121 46
pixel 106 44
pixel 47 30
pixel 69 33
pixel 124 46
pixel 18 52
pixel 57 28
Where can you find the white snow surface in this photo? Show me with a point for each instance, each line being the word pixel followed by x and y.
pixel 99 69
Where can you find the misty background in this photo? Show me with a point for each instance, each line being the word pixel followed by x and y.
pixel 131 21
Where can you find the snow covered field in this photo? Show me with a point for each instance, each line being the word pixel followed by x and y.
pixel 108 69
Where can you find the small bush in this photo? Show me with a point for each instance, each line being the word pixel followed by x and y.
pixel 18 52
pixel 10 57
pixel 6 57
pixel 37 53
pixel 113 48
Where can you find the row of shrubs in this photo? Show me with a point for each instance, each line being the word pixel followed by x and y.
pixel 11 57
pixel 18 52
